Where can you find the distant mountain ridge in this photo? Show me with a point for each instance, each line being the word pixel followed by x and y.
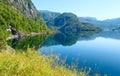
pixel 48 15
pixel 107 25
pixel 67 22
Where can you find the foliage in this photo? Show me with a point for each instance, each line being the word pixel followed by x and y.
pixel 3 36
pixel 21 23
pixel 24 7
pixel 30 63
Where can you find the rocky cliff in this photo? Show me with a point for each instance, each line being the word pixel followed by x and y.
pixel 20 15
pixel 25 7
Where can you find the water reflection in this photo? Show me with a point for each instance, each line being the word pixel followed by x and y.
pixel 24 43
pixel 100 52
pixel 66 39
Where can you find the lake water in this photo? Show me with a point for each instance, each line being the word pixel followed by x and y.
pixel 100 52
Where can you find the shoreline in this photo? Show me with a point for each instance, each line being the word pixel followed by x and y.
pixel 32 34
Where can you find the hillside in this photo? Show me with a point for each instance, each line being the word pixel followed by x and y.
pixel 106 25
pixel 20 15
pixel 69 22
pixel 91 20
pixel 48 15
pixel 24 7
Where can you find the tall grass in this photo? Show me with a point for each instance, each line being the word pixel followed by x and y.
pixel 31 63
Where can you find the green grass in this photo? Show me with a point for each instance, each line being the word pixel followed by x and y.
pixel 31 63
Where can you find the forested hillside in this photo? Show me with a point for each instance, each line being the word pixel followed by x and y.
pixel 19 18
pixel 69 22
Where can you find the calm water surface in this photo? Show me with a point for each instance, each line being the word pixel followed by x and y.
pixel 99 52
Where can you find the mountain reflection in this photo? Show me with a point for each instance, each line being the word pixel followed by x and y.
pixel 67 38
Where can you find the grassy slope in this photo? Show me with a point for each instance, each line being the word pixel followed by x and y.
pixel 31 64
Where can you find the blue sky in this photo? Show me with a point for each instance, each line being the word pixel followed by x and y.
pixel 101 9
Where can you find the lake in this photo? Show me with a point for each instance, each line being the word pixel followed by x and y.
pixel 84 50
pixel 100 52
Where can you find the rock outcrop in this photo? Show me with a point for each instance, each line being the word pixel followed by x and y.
pixel 25 7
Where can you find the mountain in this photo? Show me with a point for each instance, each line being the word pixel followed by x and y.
pixel 91 20
pixel 69 22
pixel 24 7
pixel 20 16
pixel 112 24
pixel 87 19
pixel 106 25
pixel 48 15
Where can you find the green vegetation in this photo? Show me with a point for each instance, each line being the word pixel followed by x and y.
pixel 25 7
pixel 31 63
pixel 21 23
pixel 3 36
pixel 68 22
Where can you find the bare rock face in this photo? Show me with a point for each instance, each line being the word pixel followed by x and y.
pixel 25 7
pixel 28 8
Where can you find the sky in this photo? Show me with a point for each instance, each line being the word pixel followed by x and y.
pixel 100 9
